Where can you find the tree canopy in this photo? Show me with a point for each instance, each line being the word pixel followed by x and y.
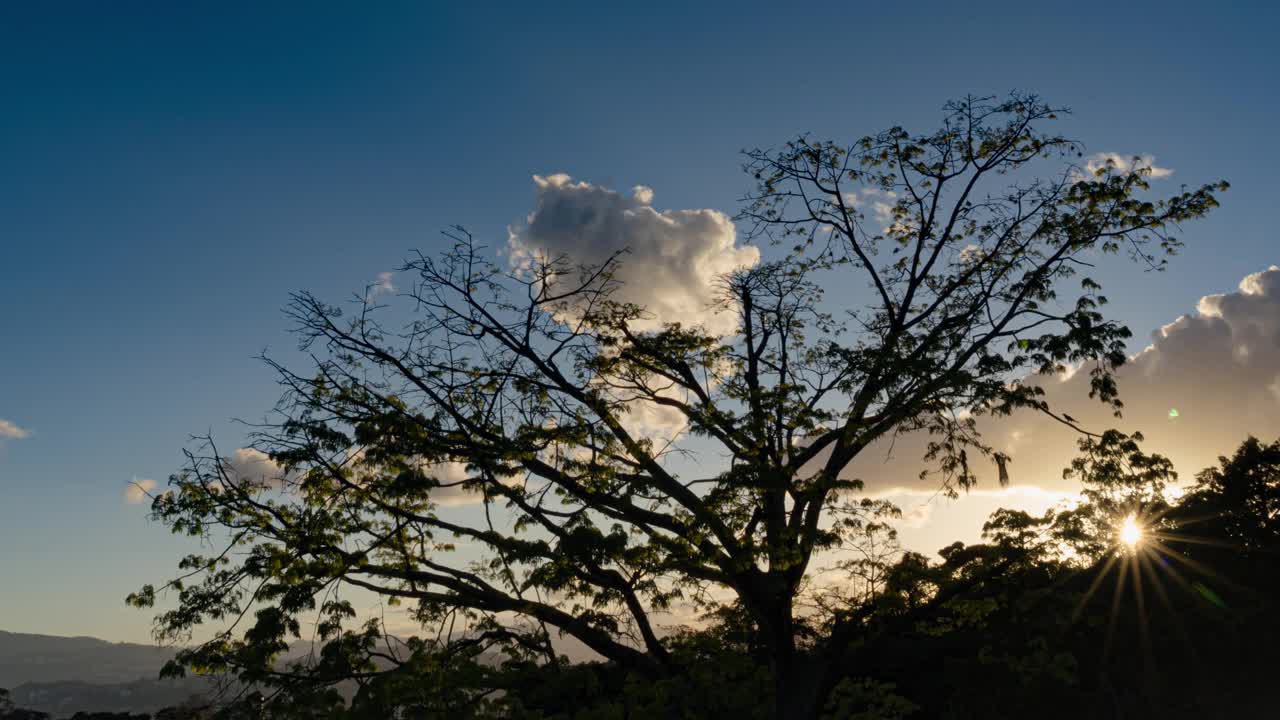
pixel 521 388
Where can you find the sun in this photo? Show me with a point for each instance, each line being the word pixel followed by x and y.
pixel 1131 532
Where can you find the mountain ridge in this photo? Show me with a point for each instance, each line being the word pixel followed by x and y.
pixel 36 658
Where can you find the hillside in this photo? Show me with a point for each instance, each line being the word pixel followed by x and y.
pixel 64 698
pixel 64 675
pixel 28 658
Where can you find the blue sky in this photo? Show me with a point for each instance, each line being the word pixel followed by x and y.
pixel 169 172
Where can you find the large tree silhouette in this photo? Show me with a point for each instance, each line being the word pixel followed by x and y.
pixel 520 387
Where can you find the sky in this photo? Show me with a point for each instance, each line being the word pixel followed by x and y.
pixel 170 172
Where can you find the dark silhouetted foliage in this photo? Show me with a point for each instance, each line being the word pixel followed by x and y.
pixel 519 386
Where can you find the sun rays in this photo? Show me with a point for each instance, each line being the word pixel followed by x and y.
pixel 1145 565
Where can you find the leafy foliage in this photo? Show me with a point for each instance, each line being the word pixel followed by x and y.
pixel 521 389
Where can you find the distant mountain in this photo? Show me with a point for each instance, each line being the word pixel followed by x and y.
pixel 26 658
pixel 65 675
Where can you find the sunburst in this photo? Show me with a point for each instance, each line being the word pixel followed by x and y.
pixel 1143 560
pixel 1130 532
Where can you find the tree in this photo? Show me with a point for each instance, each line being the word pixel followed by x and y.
pixel 520 387
pixel 1121 487
pixel 1240 499
pixel 9 712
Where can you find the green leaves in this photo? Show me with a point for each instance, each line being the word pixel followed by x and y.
pixel 502 457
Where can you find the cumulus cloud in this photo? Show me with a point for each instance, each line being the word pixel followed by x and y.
pixel 1207 380
pixel 1125 163
pixel 138 490
pixel 674 256
pixel 10 430
pixel 672 263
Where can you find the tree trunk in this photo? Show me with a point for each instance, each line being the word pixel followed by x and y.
pixel 794 686
pixel 796 691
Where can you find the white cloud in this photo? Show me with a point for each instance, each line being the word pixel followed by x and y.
pixel 10 430
pixel 673 262
pixel 1193 365
pixel 138 490
pixel 255 467
pixel 656 422
pixel 675 256
pixel 879 202
pixel 1125 163
pixel 250 465
pixel 970 253
pixel 384 284
pixel 448 474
